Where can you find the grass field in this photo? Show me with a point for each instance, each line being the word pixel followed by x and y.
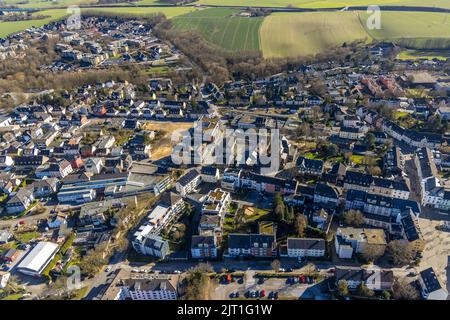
pixel 299 34
pixel 262 3
pixel 417 30
pixel 326 3
pixel 169 12
pixel 47 3
pixel 219 27
pixel 423 55
pixel 7 28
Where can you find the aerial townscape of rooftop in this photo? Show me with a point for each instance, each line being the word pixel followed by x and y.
pixel 151 168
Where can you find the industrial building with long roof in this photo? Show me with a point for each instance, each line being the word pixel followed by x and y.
pixel 38 258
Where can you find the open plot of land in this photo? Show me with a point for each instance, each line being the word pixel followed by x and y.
pixel 163 147
pixel 300 34
pixel 221 28
pixel 437 252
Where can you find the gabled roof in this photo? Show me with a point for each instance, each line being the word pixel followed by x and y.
pixel 325 190
pixel 310 164
pixel 197 240
pixel 306 243
pixel 246 241
pixel 188 177
pixel 430 280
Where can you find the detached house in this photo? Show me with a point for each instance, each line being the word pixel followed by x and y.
pixel 20 201
pixel 431 286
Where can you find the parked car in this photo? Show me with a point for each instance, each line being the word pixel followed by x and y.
pixel 412 273
pixel 108 269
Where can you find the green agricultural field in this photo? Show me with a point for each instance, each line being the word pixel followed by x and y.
pixel 7 28
pixel 326 3
pixel 47 3
pixel 300 34
pixel 423 55
pixel 221 28
pixel 169 12
pixel 418 30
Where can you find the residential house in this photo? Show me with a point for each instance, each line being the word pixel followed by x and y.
pixel 373 279
pixel 45 187
pixel 188 182
pixel 59 170
pixel 210 174
pixel 203 247
pixel 310 166
pixel 94 165
pixel 326 196
pixel 431 287
pixel 252 245
pixel 146 243
pixel 305 247
pixel 21 201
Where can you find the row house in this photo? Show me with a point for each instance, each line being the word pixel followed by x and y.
pixel 59 170
pixel 386 187
pixel 326 196
pixel 261 183
pixel 378 204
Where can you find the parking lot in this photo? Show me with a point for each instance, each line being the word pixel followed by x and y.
pixel 284 290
